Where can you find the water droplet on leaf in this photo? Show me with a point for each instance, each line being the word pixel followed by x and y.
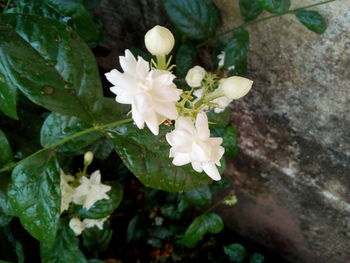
pixel 47 90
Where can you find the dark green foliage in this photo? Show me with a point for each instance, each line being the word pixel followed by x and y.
pixel 235 252
pixel 5 149
pixel 196 19
pixel 312 20
pixel 201 225
pixel 35 195
pixel 184 59
pixel 250 9
pixel 275 6
pixel 64 249
pixel 95 239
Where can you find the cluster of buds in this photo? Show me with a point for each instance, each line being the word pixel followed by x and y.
pixel 85 190
pixel 154 98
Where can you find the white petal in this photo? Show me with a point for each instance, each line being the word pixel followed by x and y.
pixel 212 171
pixel 152 122
pixel 166 94
pixel 166 109
pixel 202 126
pixel 197 166
pixel 186 124
pixel 181 159
pixel 128 62
pixel 201 152
pixel 142 68
pixel 142 102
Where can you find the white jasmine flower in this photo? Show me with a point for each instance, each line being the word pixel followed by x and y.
pixel 66 190
pixel 90 190
pixel 195 76
pixel 152 94
pixel 76 225
pixel 159 41
pixel 192 144
pixel 235 87
pixel 94 222
pixel 222 102
pixel 221 58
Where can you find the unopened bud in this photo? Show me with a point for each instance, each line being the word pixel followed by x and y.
pixel 236 87
pixel 88 157
pixel 195 76
pixel 159 41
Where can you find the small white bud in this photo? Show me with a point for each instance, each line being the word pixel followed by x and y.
pixel 236 87
pixel 159 41
pixel 88 157
pixel 195 76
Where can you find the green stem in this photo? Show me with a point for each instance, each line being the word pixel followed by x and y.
pixel 7 5
pixel 221 201
pixel 161 63
pixel 261 20
pixel 64 140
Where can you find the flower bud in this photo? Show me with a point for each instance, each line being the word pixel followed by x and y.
pixel 88 157
pixel 159 41
pixel 76 225
pixel 236 87
pixel 195 76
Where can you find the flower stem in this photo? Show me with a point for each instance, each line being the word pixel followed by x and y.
pixel 161 63
pixel 7 5
pixel 64 140
pixel 261 20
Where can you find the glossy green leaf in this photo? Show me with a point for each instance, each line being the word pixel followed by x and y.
pixel 64 249
pixel 6 154
pixel 275 6
pixel 5 210
pixel 35 195
pixel 184 59
pixel 104 207
pixel 201 225
pixel 50 64
pixel 95 239
pixel 136 228
pixel 256 258
pixel 219 119
pixel 250 9
pixel 57 127
pixel 312 20
pixel 147 157
pixel 101 148
pixel 71 12
pixel 199 197
pixel 197 19
pixel 235 252
pixel 230 141
pixel 236 50
pixel 8 92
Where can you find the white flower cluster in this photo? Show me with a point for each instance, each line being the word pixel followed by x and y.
pixel 88 191
pixel 154 98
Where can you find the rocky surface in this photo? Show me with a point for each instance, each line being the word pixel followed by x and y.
pixel 292 175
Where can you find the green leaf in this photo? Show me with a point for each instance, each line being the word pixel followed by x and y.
pixel 230 141
pixel 5 210
pixel 201 225
pixel 184 59
pixel 235 252
pixel 57 127
pixel 250 9
pixel 101 148
pixel 64 249
pixel 312 20
pixel 95 239
pixel 50 64
pixel 147 157
pixel 275 6
pixel 136 228
pixel 256 258
pixel 35 195
pixel 8 93
pixel 199 196
pixel 71 12
pixel 6 154
pixel 196 19
pixel 236 50
pixel 219 119
pixel 104 207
